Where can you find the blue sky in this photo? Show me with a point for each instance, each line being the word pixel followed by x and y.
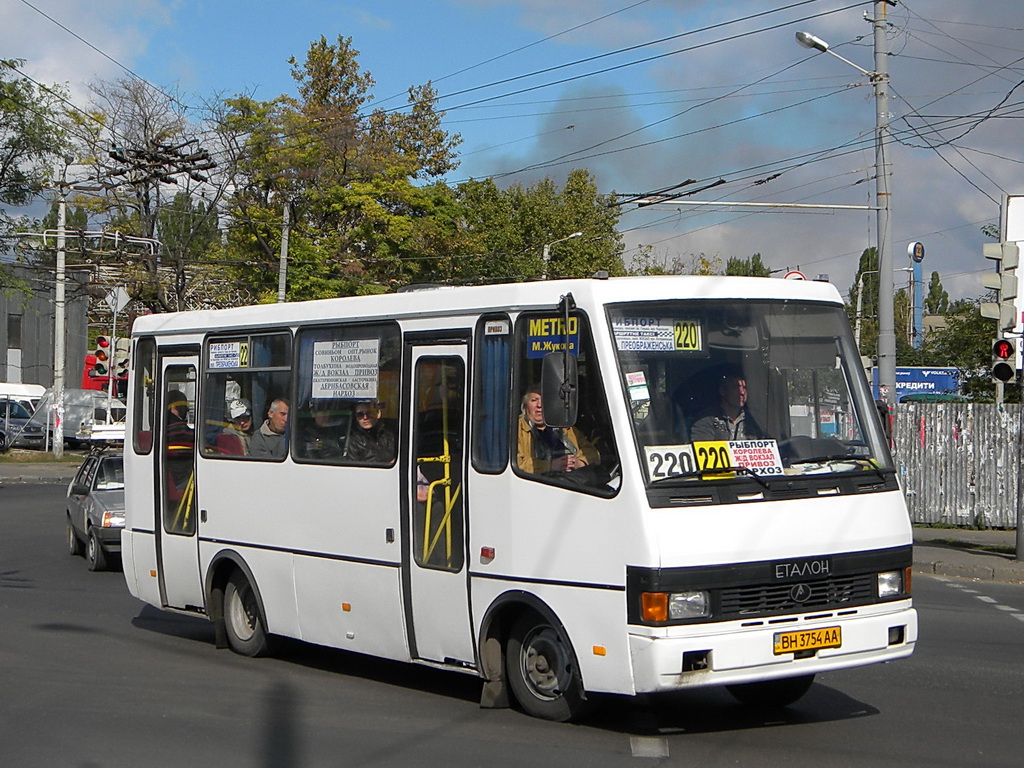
pixel 700 107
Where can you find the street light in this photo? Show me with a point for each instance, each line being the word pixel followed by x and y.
pixel 886 294
pixel 547 249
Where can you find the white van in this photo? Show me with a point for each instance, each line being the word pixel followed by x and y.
pixel 28 395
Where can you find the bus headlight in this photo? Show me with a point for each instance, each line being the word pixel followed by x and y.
pixel 659 607
pixel 689 605
pixel 890 584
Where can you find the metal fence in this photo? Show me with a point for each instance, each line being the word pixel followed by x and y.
pixel 959 462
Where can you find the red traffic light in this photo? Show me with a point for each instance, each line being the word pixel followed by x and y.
pixel 1002 349
pixel 102 341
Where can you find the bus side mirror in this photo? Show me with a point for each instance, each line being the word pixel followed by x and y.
pixel 558 389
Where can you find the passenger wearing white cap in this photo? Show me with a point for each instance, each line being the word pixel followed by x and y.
pixel 239 427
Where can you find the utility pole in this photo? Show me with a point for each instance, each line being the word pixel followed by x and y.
pixel 58 328
pixel 282 272
pixel 883 194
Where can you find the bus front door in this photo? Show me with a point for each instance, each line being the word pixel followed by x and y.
pixel 177 523
pixel 437 581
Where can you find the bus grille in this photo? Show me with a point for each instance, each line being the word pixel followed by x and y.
pixel 771 599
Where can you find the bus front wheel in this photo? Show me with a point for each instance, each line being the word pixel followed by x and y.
pixel 542 670
pixel 242 620
pixel 772 693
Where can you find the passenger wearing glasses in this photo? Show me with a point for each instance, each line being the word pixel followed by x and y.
pixel 371 441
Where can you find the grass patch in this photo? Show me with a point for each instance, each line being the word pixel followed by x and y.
pixel 25 456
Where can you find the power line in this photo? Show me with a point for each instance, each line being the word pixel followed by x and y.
pixel 105 55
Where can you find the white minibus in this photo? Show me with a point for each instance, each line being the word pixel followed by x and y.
pixel 567 488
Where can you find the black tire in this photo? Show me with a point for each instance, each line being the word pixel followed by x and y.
pixel 95 555
pixel 75 548
pixel 243 622
pixel 772 694
pixel 542 670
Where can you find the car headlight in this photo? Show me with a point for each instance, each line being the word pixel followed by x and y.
pixel 113 520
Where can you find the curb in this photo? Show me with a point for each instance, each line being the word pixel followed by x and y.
pixel 967 564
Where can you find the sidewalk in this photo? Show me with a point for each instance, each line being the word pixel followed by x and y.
pixel 49 472
pixel 958 552
pixel 967 554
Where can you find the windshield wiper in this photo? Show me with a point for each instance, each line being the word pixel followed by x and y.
pixel 701 473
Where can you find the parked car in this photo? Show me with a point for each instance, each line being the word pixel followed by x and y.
pixel 16 420
pixel 3 439
pixel 95 509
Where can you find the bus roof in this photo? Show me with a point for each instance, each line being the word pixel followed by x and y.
pixel 474 300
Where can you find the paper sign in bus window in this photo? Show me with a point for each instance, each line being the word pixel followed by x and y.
pixel 653 334
pixel 227 354
pixel 636 382
pixel 346 368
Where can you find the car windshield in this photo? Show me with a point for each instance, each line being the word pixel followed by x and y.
pixel 14 409
pixel 754 388
pixel 110 476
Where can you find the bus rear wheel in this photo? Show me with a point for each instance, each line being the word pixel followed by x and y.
pixel 542 670
pixel 769 694
pixel 243 623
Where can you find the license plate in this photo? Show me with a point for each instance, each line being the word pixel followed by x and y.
pixel 808 640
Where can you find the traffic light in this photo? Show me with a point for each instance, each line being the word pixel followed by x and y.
pixel 1003 357
pixel 122 348
pixel 1004 282
pixel 101 367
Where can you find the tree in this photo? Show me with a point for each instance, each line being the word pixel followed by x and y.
pixel 141 146
pixel 752 267
pixel 367 210
pixel 937 300
pixel 863 295
pixel 506 230
pixel 33 138
pixel 33 135
pixel 966 343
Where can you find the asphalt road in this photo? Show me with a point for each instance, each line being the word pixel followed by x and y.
pixel 91 678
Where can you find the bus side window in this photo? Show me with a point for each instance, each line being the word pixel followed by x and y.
pixel 493 381
pixel 346 409
pixel 244 376
pixel 584 455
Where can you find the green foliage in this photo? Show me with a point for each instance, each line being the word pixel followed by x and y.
pixel 966 344
pixel 508 229
pixel 937 300
pixel 33 135
pixel 752 267
pixel 368 213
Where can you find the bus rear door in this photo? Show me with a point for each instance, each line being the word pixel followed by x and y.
pixel 436 578
pixel 177 524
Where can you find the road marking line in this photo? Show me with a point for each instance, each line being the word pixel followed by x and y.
pixel 985 598
pixel 648 746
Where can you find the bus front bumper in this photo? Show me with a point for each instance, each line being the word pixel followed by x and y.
pixel 739 652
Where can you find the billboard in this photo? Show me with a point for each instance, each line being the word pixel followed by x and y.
pixel 921 381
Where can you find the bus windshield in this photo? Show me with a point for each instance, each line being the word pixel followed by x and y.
pixel 719 390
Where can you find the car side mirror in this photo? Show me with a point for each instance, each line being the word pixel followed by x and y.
pixel 80 489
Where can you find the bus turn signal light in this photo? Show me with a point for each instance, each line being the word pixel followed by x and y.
pixel 654 606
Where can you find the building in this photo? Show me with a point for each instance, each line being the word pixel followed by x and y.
pixel 27 329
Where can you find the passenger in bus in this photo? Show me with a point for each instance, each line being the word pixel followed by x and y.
pixel 547 450
pixel 234 440
pixel 180 440
pixel 730 419
pixel 371 441
pixel 323 437
pixel 269 441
